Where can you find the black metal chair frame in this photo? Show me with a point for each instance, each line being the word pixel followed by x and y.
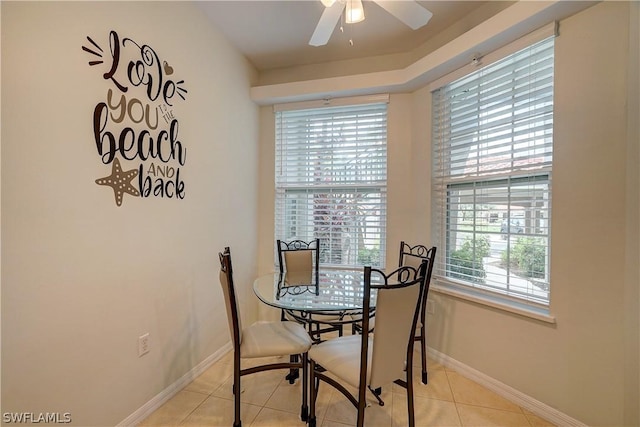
pixel 226 267
pixel 408 276
pixel 429 254
pixel 316 327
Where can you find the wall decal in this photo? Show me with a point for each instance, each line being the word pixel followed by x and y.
pixel 137 121
pixel 120 181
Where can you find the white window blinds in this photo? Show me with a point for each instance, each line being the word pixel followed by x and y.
pixel 498 119
pixel 492 159
pixel 331 173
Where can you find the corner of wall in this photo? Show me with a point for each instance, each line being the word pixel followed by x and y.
pixel 632 276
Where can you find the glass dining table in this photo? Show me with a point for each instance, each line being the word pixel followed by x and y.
pixel 336 292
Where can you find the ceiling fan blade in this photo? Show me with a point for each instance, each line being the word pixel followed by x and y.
pixel 327 23
pixel 409 12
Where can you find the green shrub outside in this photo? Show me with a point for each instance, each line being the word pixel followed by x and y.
pixel 369 256
pixel 528 256
pixel 466 263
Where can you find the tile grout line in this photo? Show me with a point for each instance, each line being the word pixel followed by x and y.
pixel 209 395
pixel 453 396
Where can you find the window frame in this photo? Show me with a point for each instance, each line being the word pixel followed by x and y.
pixel 460 288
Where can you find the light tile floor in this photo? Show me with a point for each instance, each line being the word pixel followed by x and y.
pixel 268 400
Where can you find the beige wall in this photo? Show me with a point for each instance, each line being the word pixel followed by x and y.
pixel 632 280
pixel 578 365
pixel 83 278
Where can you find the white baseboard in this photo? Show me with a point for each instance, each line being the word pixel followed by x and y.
pixel 527 402
pixel 148 408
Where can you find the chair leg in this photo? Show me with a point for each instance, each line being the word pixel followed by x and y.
pixel 236 392
pixel 293 372
pixel 313 394
pixel 423 350
pixel 362 404
pixel 410 405
pixel 304 410
pixel 377 392
pixel 361 408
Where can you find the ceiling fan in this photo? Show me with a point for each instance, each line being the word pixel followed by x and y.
pixel 407 11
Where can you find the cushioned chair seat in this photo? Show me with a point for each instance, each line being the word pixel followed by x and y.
pixel 265 339
pixel 342 357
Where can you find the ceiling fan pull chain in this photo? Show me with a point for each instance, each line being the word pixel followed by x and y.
pixel 343 19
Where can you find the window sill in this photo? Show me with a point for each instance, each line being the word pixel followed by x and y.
pixel 494 301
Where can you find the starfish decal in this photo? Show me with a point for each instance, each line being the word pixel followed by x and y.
pixel 120 181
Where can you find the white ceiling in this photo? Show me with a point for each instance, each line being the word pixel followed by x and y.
pixel 275 34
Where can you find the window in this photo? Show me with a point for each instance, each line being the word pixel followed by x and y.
pixel 331 173
pixel 492 159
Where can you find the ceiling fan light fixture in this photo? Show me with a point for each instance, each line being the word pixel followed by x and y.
pixel 354 12
pixel 410 12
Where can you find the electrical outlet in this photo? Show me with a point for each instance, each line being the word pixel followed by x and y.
pixel 143 344
pixel 431 307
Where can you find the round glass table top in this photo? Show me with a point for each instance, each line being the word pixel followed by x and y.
pixel 333 290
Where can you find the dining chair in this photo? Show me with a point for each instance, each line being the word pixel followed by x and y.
pixel 261 339
pixel 414 256
pixel 369 361
pixel 301 260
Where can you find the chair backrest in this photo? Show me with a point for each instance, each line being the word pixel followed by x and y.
pixel 413 256
pixel 230 300
pixel 298 256
pixel 397 308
